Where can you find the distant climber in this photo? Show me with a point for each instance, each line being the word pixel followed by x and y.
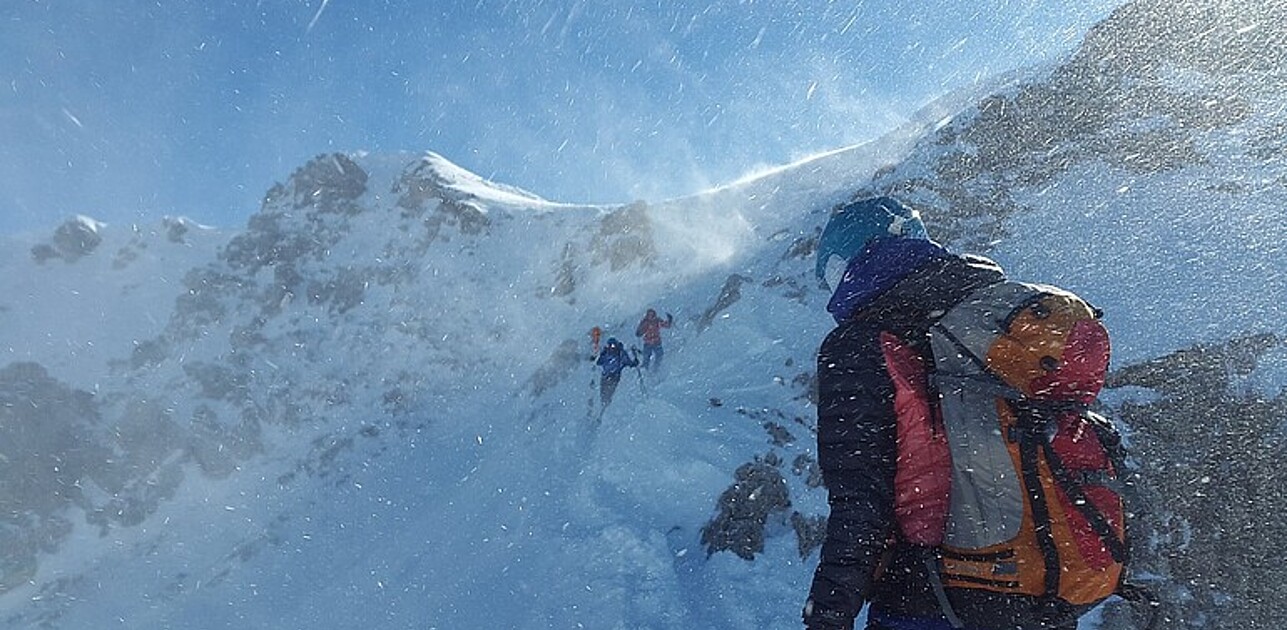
pixel 612 361
pixel 649 329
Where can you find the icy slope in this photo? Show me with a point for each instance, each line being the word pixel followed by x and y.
pixel 370 406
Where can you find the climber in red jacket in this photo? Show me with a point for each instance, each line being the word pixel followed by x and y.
pixel 649 329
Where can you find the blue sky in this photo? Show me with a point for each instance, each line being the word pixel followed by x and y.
pixel 130 110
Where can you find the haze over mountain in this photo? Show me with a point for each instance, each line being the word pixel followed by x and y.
pixel 370 405
pixel 135 109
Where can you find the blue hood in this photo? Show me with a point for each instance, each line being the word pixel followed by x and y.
pixel 880 266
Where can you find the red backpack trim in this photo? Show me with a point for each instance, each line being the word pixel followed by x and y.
pixel 923 477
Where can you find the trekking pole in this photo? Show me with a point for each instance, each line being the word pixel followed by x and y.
pixel 634 352
pixel 596 334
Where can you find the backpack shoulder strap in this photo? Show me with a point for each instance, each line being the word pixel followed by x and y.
pixel 1098 522
pixel 1109 438
pixel 1074 487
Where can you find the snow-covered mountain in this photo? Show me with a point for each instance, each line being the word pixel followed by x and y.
pixel 374 398
pixel 369 407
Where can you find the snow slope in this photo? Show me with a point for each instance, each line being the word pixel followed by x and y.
pixel 404 466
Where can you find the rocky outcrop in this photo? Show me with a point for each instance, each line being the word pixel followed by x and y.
pixel 729 295
pixel 624 238
pixel 758 493
pixel 565 275
pixel 330 183
pixel 1134 96
pixel 423 191
pixel 1211 500
pixel 75 238
pixel 47 449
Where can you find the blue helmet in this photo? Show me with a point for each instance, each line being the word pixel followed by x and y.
pixel 612 343
pixel 856 224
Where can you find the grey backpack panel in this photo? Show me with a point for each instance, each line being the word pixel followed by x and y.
pixel 987 497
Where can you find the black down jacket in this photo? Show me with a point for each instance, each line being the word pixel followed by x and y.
pixel 856 447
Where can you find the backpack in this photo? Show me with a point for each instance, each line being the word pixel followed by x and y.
pixel 1004 475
